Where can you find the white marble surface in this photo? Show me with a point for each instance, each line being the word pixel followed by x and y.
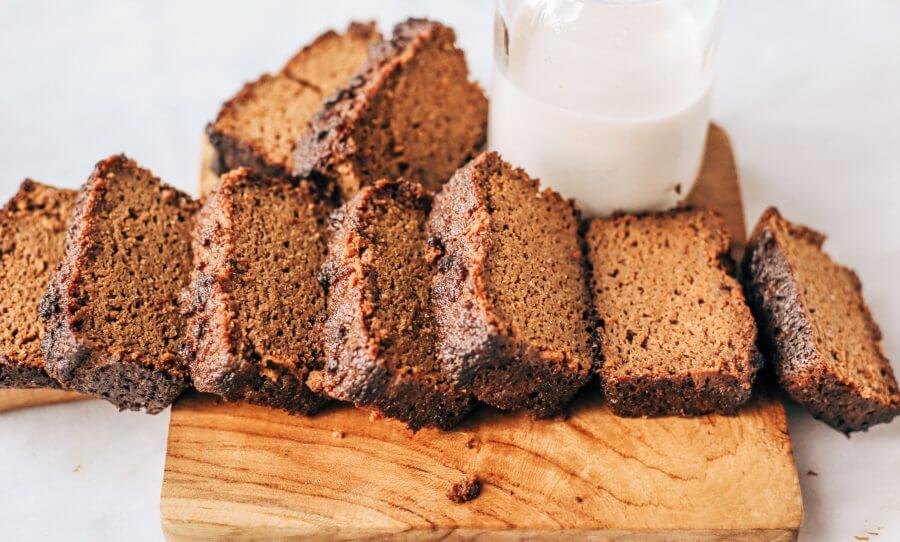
pixel 808 90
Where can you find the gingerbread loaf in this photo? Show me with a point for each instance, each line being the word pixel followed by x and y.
pixel 411 111
pixel 511 297
pixel 259 127
pixel 816 327
pixel 255 298
pixel 32 236
pixel 676 334
pixel 379 333
pixel 113 323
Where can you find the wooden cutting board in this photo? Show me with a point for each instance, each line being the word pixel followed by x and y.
pixel 243 472
pixel 16 399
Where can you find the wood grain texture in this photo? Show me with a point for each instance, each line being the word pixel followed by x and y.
pixel 718 187
pixel 245 472
pixel 16 399
pixel 208 177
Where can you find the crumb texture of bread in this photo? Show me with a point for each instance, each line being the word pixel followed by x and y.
pixel 329 62
pixel 380 331
pixel 113 323
pixel 817 330
pixel 676 334
pixel 255 298
pixel 511 297
pixel 411 111
pixel 32 236
pixel 259 127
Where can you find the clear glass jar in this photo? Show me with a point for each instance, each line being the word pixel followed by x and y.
pixel 606 101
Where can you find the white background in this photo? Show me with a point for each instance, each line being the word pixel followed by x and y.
pixel 809 91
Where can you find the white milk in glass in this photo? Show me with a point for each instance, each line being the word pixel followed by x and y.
pixel 606 101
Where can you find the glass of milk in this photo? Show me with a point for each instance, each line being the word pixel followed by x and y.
pixel 607 101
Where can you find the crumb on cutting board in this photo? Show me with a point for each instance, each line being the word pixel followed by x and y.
pixel 465 490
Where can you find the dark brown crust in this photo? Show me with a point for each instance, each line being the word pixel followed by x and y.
pixel 18 375
pixel 688 394
pixel 327 142
pixel 788 338
pixel 502 370
pixel 73 362
pixel 353 370
pixel 212 336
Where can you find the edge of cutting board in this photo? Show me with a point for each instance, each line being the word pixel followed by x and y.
pixel 13 399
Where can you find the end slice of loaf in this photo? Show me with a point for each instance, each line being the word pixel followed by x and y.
pixel 819 334
pixel 32 236
pixel 259 127
pixel 676 335
pixel 511 297
pixel 380 331
pixel 113 324
pixel 411 111
pixel 255 297
pixel 329 62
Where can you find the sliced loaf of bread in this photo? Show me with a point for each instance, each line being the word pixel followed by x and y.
pixel 511 296
pixel 818 332
pixel 411 111
pixel 114 327
pixel 676 334
pixel 380 336
pixel 259 127
pixel 255 298
pixel 32 236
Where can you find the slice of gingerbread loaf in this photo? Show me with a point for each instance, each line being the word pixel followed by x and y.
pixel 259 127
pixel 255 298
pixel 380 336
pixel 676 335
pixel 511 297
pixel 329 62
pixel 411 111
pixel 113 324
pixel 32 236
pixel 817 331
